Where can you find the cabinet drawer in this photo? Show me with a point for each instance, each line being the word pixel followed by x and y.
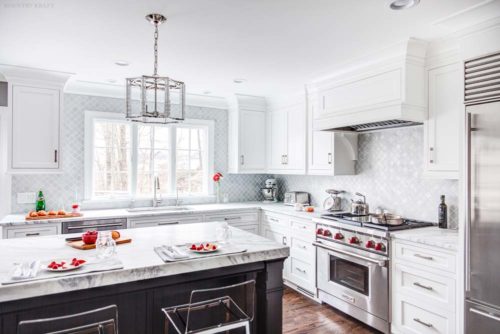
pixel 302 249
pixel 163 220
pixel 304 229
pixel 277 220
pixel 234 217
pixel 31 232
pixel 428 258
pixel 410 318
pixel 252 228
pixel 438 290
pixel 302 273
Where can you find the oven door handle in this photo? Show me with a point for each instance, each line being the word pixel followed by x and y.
pixel 380 263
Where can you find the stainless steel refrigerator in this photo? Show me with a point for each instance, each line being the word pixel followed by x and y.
pixel 482 304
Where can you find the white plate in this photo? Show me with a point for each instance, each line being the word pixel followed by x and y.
pixel 67 265
pixel 205 251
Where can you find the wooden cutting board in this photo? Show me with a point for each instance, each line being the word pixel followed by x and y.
pixel 79 244
pixel 69 215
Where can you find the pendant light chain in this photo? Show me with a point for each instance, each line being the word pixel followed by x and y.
pixel 156 50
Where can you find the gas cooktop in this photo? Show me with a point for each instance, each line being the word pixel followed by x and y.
pixel 365 221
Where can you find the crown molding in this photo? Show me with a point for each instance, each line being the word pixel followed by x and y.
pixel 81 87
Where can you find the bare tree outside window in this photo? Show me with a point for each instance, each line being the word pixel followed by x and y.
pixel 126 154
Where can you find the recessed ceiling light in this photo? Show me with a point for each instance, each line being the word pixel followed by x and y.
pixel 122 63
pixel 403 4
pixel 239 80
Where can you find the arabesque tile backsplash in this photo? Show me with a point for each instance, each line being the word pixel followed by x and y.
pixel 388 171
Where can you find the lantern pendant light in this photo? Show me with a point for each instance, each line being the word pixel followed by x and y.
pixel 149 97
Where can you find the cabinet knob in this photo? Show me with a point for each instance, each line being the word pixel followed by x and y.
pixel 55 156
pixel 242 159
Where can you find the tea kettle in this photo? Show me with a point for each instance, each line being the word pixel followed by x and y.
pixel 359 207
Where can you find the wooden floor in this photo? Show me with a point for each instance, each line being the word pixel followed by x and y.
pixel 302 315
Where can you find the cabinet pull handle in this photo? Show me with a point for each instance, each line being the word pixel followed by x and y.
pixel 167 223
pixel 286 159
pixel 232 218
pixel 430 258
pixel 55 155
pixel 284 240
pixel 329 158
pixel 32 234
pixel 301 270
pixel 242 158
pixel 273 220
pixel 431 155
pixel 302 247
pixel 426 324
pixel 426 287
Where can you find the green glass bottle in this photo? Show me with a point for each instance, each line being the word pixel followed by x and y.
pixel 40 201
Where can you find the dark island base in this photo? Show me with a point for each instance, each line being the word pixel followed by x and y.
pixel 140 302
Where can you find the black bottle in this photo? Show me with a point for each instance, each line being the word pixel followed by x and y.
pixel 443 214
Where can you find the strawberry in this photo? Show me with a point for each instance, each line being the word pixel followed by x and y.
pixel 214 247
pixel 193 247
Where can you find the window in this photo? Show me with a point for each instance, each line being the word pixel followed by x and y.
pixel 123 158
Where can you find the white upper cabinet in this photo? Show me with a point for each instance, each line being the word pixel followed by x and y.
pixel 329 153
pixel 247 134
pixel 35 108
pixel 35 128
pixel 442 129
pixel 287 140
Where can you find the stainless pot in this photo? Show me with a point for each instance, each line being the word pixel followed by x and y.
pixel 359 207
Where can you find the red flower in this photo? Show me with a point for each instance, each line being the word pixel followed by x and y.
pixel 217 177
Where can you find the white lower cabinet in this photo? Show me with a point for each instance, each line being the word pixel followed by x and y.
pixel 299 269
pixel 244 220
pixel 28 231
pixel 424 287
pixel 160 220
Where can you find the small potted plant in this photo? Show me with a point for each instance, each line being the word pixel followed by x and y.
pixel 217 178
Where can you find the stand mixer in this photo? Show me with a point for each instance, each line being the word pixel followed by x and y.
pixel 270 191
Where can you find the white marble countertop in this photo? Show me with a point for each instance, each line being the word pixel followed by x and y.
pixel 430 236
pixel 19 219
pixel 139 259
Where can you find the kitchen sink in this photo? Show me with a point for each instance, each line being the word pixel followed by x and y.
pixel 159 208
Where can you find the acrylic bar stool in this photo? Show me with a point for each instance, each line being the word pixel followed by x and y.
pixel 99 321
pixel 215 310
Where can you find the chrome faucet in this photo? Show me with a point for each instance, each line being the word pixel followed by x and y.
pixel 156 197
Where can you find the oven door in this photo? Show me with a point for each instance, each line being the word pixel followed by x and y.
pixel 354 278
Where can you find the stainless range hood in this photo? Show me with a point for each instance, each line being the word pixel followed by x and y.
pixel 383 92
pixel 390 124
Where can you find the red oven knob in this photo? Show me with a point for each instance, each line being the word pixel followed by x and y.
pixel 319 231
pixel 370 244
pixel 327 233
pixel 380 246
pixel 354 240
pixel 338 236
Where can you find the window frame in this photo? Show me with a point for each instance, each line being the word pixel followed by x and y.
pixel 92 116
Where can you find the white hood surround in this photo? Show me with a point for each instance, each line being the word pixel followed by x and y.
pixel 387 92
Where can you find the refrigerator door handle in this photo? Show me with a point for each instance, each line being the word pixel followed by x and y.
pixel 468 220
pixel 485 314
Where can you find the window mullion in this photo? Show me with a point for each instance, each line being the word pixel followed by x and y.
pixel 133 159
pixel 173 159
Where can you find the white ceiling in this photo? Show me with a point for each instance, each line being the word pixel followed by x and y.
pixel 277 45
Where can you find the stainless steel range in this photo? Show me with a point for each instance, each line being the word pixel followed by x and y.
pixel 353 265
